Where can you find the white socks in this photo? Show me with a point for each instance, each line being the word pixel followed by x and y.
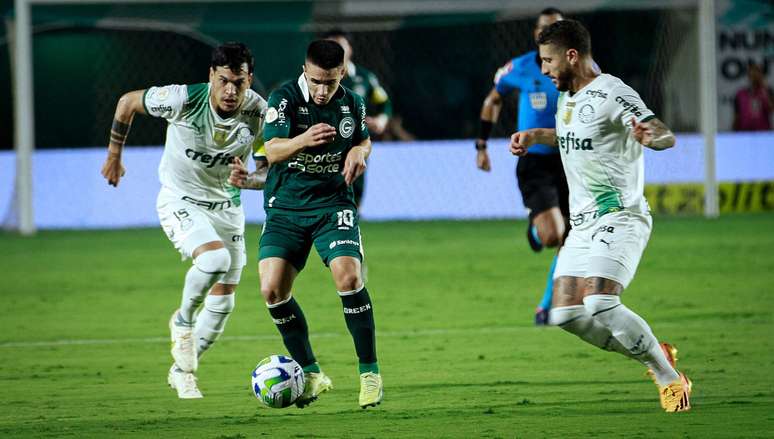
pixel 207 269
pixel 212 320
pixel 632 332
pixel 577 320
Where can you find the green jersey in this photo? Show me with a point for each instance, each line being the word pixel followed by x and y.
pixel 365 83
pixel 311 180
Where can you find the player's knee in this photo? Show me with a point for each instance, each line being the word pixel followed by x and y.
pixel 222 304
pixel 573 318
pixel 348 281
pixel 217 261
pixel 598 304
pixel 272 294
pixel 550 236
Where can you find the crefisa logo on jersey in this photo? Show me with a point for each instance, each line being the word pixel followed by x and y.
pixel 586 113
pixel 632 108
pixel 208 159
pixel 347 127
pixel 569 142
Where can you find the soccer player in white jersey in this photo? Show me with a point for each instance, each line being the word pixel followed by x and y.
pixel 210 126
pixel 601 127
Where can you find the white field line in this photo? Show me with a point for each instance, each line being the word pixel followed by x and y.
pixel 380 334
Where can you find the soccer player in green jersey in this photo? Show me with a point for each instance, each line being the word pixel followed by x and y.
pixel 317 143
pixel 365 83
pixel 209 126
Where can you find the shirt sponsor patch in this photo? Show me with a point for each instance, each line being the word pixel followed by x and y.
pixel 538 100
pixel 271 115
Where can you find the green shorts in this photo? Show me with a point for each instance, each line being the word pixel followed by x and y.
pixel 290 236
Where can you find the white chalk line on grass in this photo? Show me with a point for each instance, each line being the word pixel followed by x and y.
pixel 380 334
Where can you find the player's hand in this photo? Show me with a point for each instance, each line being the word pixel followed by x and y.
pixel 482 160
pixel 113 170
pixel 238 176
pixel 642 132
pixel 521 141
pixel 319 134
pixel 354 165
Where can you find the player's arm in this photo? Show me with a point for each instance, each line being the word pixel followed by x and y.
pixel 129 104
pixel 256 180
pixel 280 149
pixel 490 112
pixel 279 118
pixel 522 140
pixel 653 133
pixel 355 162
pixel 240 178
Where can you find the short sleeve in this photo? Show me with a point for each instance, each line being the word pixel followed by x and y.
pixel 506 79
pixel 279 116
pixel 627 104
pixel 361 127
pixel 167 101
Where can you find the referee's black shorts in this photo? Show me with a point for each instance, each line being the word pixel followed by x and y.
pixel 543 184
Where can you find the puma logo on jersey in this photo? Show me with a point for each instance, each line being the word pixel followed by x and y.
pixel 208 159
pixel 570 142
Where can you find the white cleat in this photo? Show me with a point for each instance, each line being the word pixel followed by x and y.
pixel 184 383
pixel 183 347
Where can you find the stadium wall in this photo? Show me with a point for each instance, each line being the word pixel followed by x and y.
pixel 405 181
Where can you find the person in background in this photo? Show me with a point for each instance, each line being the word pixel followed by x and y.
pixel 754 104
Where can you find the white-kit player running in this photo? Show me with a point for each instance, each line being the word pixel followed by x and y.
pixel 210 125
pixel 601 127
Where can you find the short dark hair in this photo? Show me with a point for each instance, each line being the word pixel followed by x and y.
pixel 325 54
pixel 336 32
pixel 232 55
pixel 551 11
pixel 567 34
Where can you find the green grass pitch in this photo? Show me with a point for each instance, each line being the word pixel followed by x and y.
pixel 84 348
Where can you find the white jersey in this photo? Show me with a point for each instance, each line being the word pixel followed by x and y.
pixel 200 144
pixel 603 162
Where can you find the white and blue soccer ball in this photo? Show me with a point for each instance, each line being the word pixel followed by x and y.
pixel 278 381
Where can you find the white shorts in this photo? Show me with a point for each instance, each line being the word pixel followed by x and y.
pixel 609 247
pixel 188 226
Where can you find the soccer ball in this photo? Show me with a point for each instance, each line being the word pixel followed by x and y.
pixel 278 381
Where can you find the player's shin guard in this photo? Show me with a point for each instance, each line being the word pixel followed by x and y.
pixel 359 316
pixel 576 320
pixel 291 323
pixel 633 332
pixel 212 320
pixel 207 269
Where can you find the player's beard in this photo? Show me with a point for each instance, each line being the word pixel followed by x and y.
pixel 564 79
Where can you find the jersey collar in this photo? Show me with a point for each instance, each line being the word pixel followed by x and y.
pixel 304 87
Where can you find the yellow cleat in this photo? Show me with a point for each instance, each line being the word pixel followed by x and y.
pixel 676 396
pixel 670 352
pixel 315 384
pixel 371 389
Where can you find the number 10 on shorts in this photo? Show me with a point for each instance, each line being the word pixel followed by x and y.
pixel 346 219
